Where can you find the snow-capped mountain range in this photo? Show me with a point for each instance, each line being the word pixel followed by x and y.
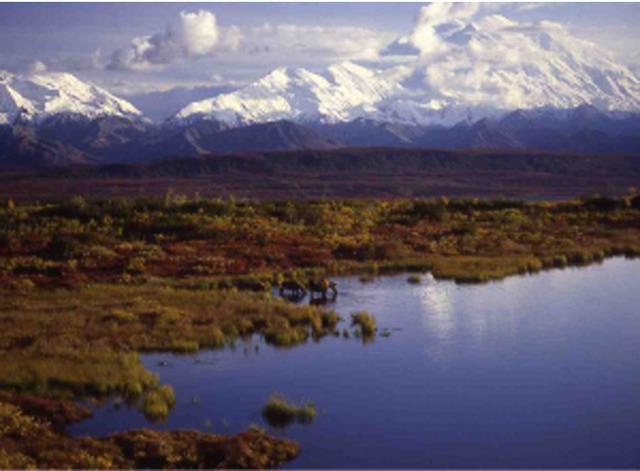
pixel 475 70
pixel 35 97
pixel 490 83
pixel 469 71
pixel 481 70
pixel 347 91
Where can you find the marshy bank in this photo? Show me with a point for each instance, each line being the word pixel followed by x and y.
pixel 31 441
pixel 85 343
pixel 250 244
pixel 59 346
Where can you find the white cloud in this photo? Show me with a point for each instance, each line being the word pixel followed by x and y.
pixel 315 42
pixel 197 33
pixel 220 80
pixel 530 6
pixel 37 67
pixel 193 36
pixel 233 38
pixel 469 53
pixel 425 36
pixel 71 63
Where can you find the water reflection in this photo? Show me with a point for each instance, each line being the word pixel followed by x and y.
pixel 435 298
pixel 305 298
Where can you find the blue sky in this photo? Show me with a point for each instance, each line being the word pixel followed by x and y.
pixel 131 47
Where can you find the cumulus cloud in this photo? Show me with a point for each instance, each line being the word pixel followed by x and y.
pixel 425 36
pixel 440 17
pixel 194 35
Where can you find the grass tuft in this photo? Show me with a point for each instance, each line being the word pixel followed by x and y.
pixel 157 403
pixel 280 413
pixel 365 321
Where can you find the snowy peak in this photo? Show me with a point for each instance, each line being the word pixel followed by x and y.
pixel 363 86
pixel 344 92
pixel 38 96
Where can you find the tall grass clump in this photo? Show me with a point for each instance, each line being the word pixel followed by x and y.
pixel 157 403
pixel 280 412
pixel 284 336
pixel 365 321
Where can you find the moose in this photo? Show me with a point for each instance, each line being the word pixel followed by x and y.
pixel 295 288
pixel 322 287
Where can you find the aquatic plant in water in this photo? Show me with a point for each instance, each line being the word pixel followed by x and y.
pixel 157 403
pixel 281 413
pixel 365 321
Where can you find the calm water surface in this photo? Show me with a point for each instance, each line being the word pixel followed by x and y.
pixel 535 371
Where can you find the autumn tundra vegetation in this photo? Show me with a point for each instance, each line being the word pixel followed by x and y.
pixel 89 284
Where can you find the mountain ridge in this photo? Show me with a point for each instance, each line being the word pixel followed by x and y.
pixel 56 119
pixel 342 172
pixel 70 139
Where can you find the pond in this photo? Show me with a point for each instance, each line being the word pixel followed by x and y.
pixel 535 371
